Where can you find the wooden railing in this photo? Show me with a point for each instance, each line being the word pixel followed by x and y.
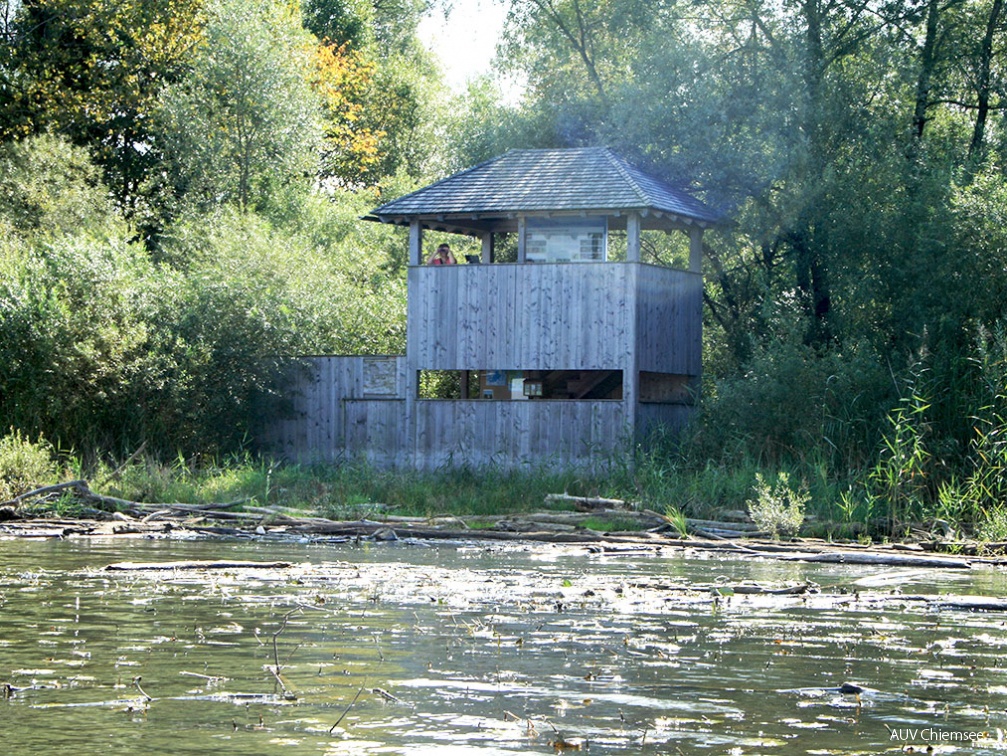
pixel 575 316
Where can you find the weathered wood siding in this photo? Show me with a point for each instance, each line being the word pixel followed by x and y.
pixel 665 417
pixel 332 422
pixel 576 316
pixel 669 309
pixel 513 434
pixel 376 432
pixel 583 316
pixel 514 317
pixel 316 430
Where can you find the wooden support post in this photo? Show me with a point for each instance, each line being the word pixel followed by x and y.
pixel 633 237
pixel 522 229
pixel 696 249
pixel 487 250
pixel 415 243
pixel 631 360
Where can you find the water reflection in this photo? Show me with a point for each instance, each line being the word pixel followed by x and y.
pixel 465 649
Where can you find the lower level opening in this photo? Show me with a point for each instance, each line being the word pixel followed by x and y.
pixel 520 385
pixel 667 388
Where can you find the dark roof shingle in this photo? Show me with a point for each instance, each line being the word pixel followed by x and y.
pixel 560 180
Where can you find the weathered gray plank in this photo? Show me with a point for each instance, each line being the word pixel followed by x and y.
pixel 555 317
pixel 585 316
pixel 520 433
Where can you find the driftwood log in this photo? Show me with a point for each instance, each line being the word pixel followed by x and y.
pixel 82 493
pixel 196 565
pixel 564 527
pixel 589 503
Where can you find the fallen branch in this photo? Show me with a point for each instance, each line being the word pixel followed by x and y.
pixel 346 710
pixel 84 495
pixel 210 679
pixel 45 490
pixel 196 565
pixel 589 503
pixel 897 560
pixel 182 508
pixel 714 525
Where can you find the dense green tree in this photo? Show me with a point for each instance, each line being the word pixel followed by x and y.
pixel 48 187
pixel 102 348
pixel 843 138
pixel 781 114
pixel 244 126
pixel 93 71
pixel 397 107
pixel 343 22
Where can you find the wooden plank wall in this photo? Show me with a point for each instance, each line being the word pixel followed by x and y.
pixel 555 317
pixel 316 429
pixel 521 317
pixel 669 320
pixel 376 432
pixel 518 433
pixel 506 316
pixel 330 425
pixel 667 417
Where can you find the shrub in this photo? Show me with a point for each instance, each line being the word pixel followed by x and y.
pixel 24 465
pixel 778 509
pixel 789 398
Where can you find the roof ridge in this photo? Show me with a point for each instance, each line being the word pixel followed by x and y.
pixel 548 180
pixel 621 165
pixel 554 149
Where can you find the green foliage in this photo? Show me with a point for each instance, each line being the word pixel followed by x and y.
pixel 93 71
pixel 791 400
pixel 244 126
pixel 48 187
pixel 677 519
pixel 440 384
pixel 993 526
pixel 103 347
pixel 977 493
pixel 319 285
pixel 349 22
pixel 345 490
pixel 24 465
pixel 612 524
pixel 669 476
pixel 900 477
pixel 404 106
pixel 778 508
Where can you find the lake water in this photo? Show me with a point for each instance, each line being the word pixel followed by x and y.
pixel 472 649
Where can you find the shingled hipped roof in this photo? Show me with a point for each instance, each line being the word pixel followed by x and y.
pixel 589 180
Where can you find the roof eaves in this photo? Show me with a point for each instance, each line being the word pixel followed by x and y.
pixel 436 184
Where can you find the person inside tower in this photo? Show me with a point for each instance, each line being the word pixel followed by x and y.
pixel 442 256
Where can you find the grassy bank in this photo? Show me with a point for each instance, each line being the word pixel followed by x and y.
pixel 803 499
pixel 779 500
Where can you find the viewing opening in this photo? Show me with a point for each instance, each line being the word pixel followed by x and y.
pixel 666 388
pixel 520 385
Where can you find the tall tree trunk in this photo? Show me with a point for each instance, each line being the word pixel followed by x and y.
pixel 983 81
pixel 811 276
pixel 928 61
